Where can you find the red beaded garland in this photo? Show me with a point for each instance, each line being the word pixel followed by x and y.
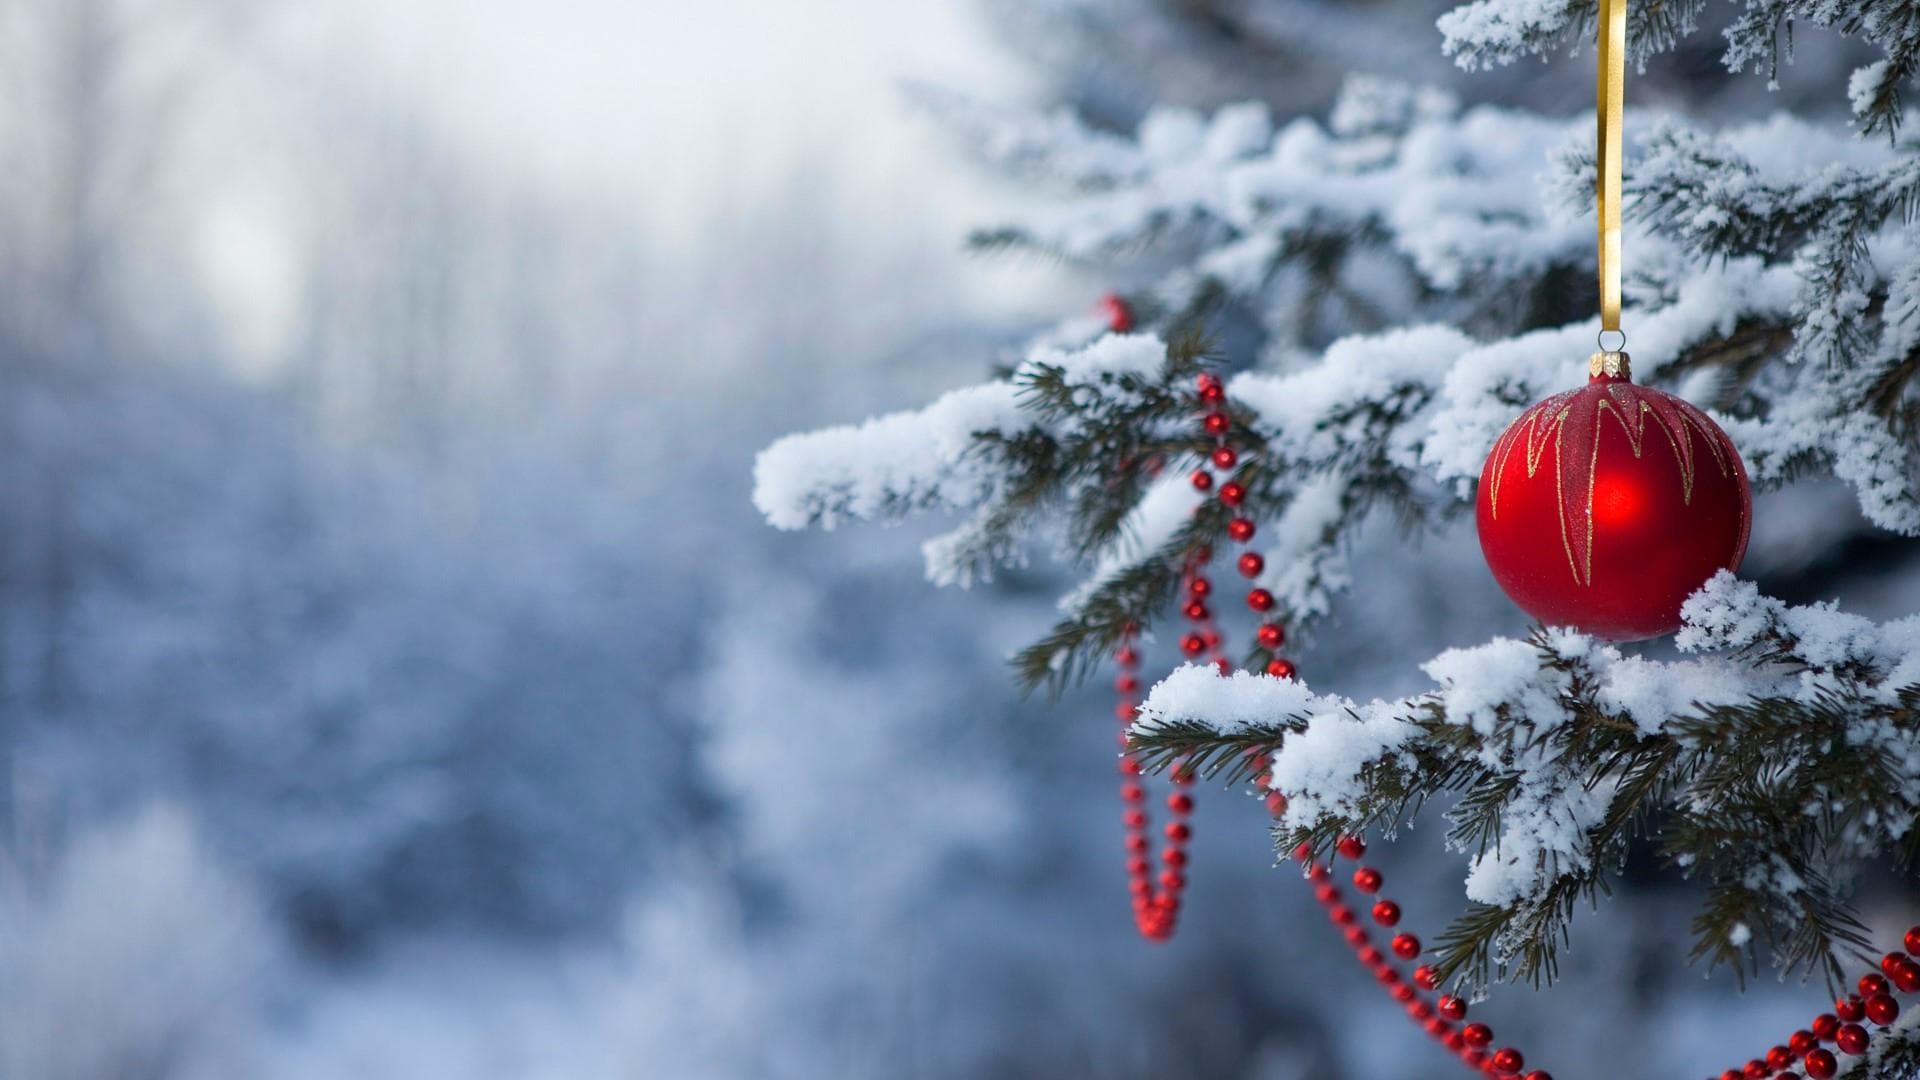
pixel 1155 909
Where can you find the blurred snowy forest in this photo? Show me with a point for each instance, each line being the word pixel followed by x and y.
pixel 396 680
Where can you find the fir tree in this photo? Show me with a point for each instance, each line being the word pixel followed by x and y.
pixel 1393 282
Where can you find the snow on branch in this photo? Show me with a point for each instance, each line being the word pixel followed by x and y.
pixel 1558 750
pixel 938 457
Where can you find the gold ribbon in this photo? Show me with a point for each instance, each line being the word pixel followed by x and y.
pixel 1610 104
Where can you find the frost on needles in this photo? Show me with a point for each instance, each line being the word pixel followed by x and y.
pixel 1417 273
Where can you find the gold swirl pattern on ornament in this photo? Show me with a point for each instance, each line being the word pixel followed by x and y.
pixel 1548 424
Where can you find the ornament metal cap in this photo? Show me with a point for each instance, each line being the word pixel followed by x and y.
pixel 1610 366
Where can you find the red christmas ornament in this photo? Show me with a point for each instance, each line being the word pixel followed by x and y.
pixel 1602 508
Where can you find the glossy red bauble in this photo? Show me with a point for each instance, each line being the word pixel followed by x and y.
pixel 1602 508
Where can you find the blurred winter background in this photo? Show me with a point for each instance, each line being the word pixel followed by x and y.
pixel 396 681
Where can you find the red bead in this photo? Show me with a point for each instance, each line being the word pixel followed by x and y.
pixel 1756 1070
pixel 1800 1042
pixel 1508 1060
pixel 1302 852
pixel 1779 1058
pixel 1326 894
pixel 1212 395
pixel 1199 586
pixel 1420 1010
pixel 1217 423
pixel 1477 1034
pixel 1241 529
pixel 1211 638
pixel 1125 656
pixel 1912 941
pixel 1820 1064
pixel 1438 1028
pixel 1870 985
pixel 1384 972
pixel 1203 555
pixel 1849 1008
pixel 1614 532
pixel 1406 946
pixel 1180 802
pixel 1251 563
pixel 1132 792
pixel 1889 962
pixel 1126 683
pixel 1195 611
pixel 1118 313
pixel 1126 711
pixel 1233 493
pixel 1271 636
pixel 1367 880
pixel 1136 842
pixel 1206 379
pixel 1351 847
pixel 1129 767
pixel 1280 668
pixel 1357 937
pixel 1173 856
pixel 1172 879
pixel 1224 457
pixel 1178 831
pixel 1319 872
pixel 1906 976
pixel 1370 956
pixel 1824 1026
pixel 1730 1074
pixel 1276 803
pixel 1851 1039
pixel 1343 915
pixel 1202 480
pixel 1260 600
pixel 1882 1009
pixel 1475 1059
pixel 1426 978
pixel 1386 913
pixel 1402 992
pixel 1452 1007
pixel 1539 1074
pixel 1136 819
pixel 1137 867
pixel 1192 644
